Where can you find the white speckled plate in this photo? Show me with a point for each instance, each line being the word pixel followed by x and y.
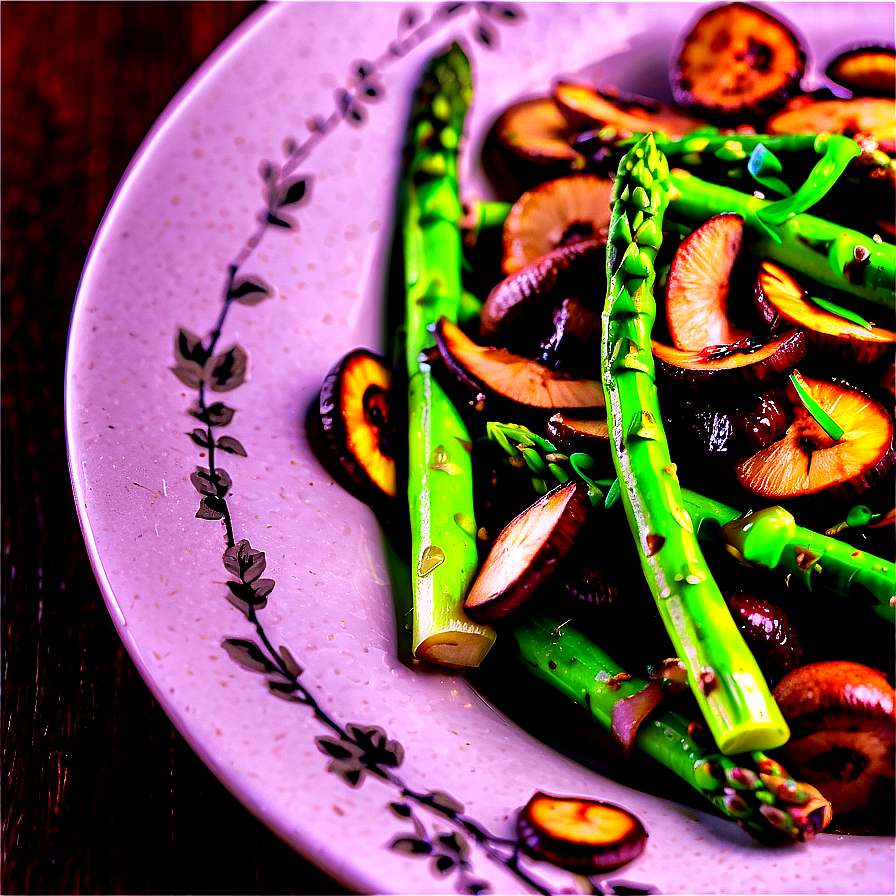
pixel 307 711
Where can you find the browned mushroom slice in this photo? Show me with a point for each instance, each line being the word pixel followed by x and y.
pixel 544 282
pixel 743 363
pixel 807 461
pixel 527 551
pixel 354 412
pixel 588 836
pixel 864 116
pixel 738 61
pixel 841 717
pixel 578 433
pixel 586 107
pixel 486 370
pixel 552 214
pixel 534 131
pixel 781 300
pixel 866 71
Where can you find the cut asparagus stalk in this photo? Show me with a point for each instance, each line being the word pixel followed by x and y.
pixel 440 479
pixel 750 788
pixel 722 672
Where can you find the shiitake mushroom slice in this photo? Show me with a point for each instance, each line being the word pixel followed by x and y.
pixel 841 719
pixel 489 372
pixel 354 414
pixel 768 632
pixel 733 427
pixel 745 363
pixel 586 108
pixel 578 433
pixel 526 552
pixel 698 282
pixel 866 71
pixel 534 137
pixel 781 300
pixel 808 461
pixel 568 269
pixel 738 61
pixel 552 214
pixel 861 118
pixel 583 835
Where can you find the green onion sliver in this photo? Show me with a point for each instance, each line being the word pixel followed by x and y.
pixel 819 414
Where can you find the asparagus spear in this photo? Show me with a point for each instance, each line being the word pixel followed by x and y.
pixel 440 489
pixel 750 788
pixel 722 672
pixel 769 537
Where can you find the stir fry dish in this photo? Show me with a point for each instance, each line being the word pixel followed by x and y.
pixel 634 431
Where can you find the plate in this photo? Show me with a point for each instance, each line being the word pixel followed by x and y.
pixel 257 605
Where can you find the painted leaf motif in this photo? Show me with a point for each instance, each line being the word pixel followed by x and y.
pixel 443 865
pixel 188 347
pixel 217 414
pixel 446 803
pixel 289 661
pixel 200 437
pixel 261 588
pixel 244 596
pixel 227 370
pixel 249 655
pixel 411 846
pixel 210 508
pixel 204 482
pixel 243 561
pixel 230 445
pixel 292 192
pixel 249 290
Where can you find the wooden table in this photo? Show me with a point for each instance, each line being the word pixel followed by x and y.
pixel 100 793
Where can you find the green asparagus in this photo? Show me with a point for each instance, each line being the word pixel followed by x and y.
pixel 723 674
pixel 440 480
pixel 750 788
pixel 768 538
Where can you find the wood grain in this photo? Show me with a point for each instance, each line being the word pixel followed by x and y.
pixel 99 793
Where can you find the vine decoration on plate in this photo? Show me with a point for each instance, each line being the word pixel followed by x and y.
pixel 355 752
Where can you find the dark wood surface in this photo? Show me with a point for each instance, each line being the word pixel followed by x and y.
pixel 100 793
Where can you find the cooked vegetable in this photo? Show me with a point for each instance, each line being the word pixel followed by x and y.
pixel 750 788
pixel 768 538
pixel 733 423
pixel 574 433
pixel 526 552
pixel 490 372
pixel 586 107
pixel 746 362
pixel 534 137
pixel 444 555
pixel 697 288
pixel 768 633
pixel 865 70
pixel 858 118
pixel 354 411
pixel 782 301
pixel 541 285
pixel 808 460
pixel 835 256
pixel 723 674
pixel 555 213
pixel 738 61
pixel 587 836
pixel 844 728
